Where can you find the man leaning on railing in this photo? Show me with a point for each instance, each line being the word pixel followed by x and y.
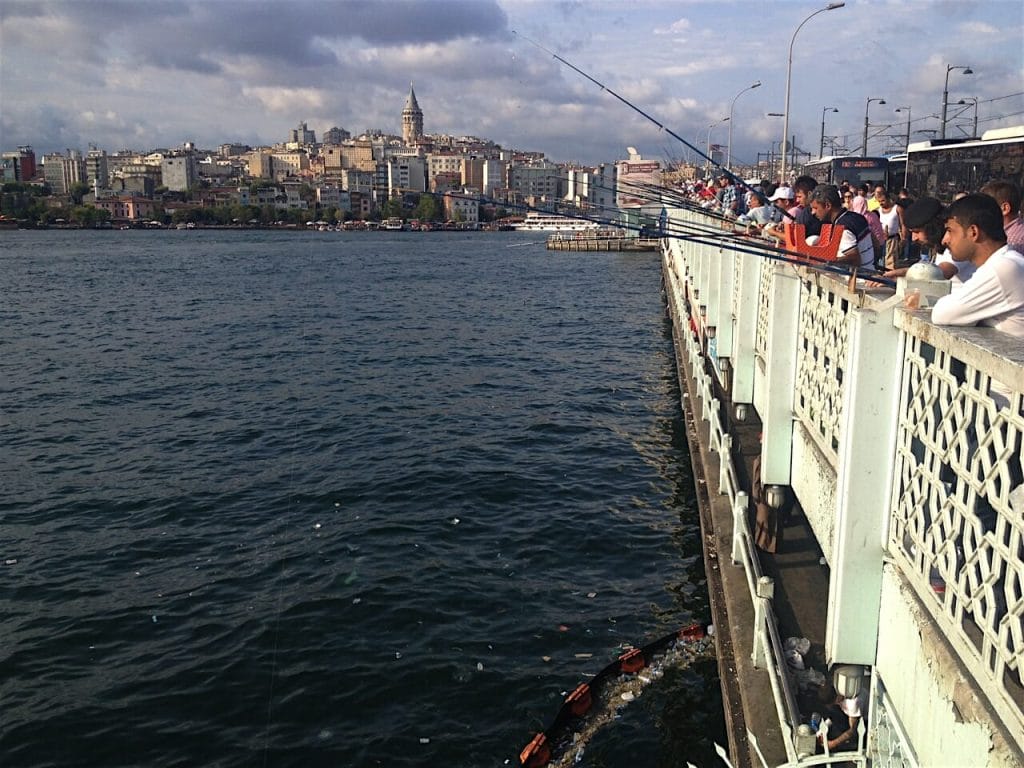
pixel 994 296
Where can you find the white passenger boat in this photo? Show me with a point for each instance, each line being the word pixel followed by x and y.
pixel 549 222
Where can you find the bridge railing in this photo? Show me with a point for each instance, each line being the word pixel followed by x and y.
pixel 902 441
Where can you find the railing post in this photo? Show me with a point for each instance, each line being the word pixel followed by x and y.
pixel 765 592
pixel 863 485
pixel 743 364
pixel 739 517
pixel 780 377
pixel 724 460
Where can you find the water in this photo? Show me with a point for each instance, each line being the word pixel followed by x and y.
pixel 304 499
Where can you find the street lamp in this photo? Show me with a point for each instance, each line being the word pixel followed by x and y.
pixel 864 145
pixel 728 151
pixel 974 100
pixel 710 128
pixel 821 147
pixel 789 79
pixel 907 110
pixel 945 95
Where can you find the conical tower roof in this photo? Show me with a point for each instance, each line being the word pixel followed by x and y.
pixel 411 104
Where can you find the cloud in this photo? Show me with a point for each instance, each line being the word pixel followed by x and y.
pixel 677 27
pixel 287 100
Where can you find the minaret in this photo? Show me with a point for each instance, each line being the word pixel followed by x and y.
pixel 412 119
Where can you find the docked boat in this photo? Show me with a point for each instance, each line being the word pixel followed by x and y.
pixel 393 224
pixel 549 222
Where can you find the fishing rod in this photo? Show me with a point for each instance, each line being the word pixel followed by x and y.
pixel 661 126
pixel 687 230
pixel 701 234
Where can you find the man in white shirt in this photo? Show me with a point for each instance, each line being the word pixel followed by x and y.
pixel 994 296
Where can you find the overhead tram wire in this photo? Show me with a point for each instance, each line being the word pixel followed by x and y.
pixel 661 126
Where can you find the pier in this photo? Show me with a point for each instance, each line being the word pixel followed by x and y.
pixel 583 241
pixel 890 448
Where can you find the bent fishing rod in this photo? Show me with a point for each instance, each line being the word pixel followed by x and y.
pixel 661 126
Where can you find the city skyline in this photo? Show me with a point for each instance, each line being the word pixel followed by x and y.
pixel 150 75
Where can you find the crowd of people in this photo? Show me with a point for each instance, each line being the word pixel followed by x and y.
pixel 977 241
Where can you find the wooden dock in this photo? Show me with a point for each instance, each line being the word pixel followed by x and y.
pixel 582 242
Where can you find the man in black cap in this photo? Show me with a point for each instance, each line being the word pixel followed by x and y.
pixel 925 218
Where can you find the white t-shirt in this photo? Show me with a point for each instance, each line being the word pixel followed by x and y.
pixel 964 270
pixel 865 248
pixel 994 296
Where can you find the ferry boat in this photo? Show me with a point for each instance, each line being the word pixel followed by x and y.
pixel 393 224
pixel 549 222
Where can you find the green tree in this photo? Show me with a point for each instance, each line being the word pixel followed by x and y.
pixel 426 209
pixel 77 191
pixel 392 208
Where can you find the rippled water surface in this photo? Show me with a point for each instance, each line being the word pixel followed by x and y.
pixel 317 499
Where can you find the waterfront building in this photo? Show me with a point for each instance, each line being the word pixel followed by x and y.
pixel 635 177
pixel 260 164
pixel 412 119
pixel 539 180
pixel 96 170
pixel 138 177
pixel 336 135
pixel 301 137
pixel 127 208
pixel 19 165
pixel 233 150
pixel 62 171
pixel 288 163
pixel 179 172
pixel 495 176
pixel 462 205
pixel 472 172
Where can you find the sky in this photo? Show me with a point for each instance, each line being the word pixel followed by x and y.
pixel 153 74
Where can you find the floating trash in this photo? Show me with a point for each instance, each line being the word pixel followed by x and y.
pixel 594 704
pixel 455 521
pixel 316 527
pixel 479 666
pixel 591 594
pixel 424 740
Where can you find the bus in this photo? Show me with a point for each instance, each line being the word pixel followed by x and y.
pixel 855 170
pixel 942 168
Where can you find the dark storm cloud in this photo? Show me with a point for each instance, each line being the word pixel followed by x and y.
pixel 200 37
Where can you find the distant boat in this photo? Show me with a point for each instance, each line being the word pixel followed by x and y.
pixel 393 224
pixel 547 222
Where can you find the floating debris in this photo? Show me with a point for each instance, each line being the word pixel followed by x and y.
pixel 455 521
pixel 594 704
pixel 591 594
pixel 424 740
pixel 316 527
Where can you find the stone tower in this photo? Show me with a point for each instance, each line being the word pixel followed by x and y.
pixel 412 119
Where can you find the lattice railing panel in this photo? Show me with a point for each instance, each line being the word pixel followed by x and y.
pixel 888 746
pixel 763 311
pixel 821 359
pixel 954 531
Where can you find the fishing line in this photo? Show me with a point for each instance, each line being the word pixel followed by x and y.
pixel 736 242
pixel 728 173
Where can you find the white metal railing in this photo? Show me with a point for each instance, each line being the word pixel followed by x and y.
pixel 767 652
pixel 957 508
pixel 950 474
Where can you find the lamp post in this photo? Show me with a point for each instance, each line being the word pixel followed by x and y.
pixel 945 95
pixel 710 128
pixel 789 80
pixel 972 100
pixel 864 144
pixel 821 147
pixel 907 110
pixel 728 151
